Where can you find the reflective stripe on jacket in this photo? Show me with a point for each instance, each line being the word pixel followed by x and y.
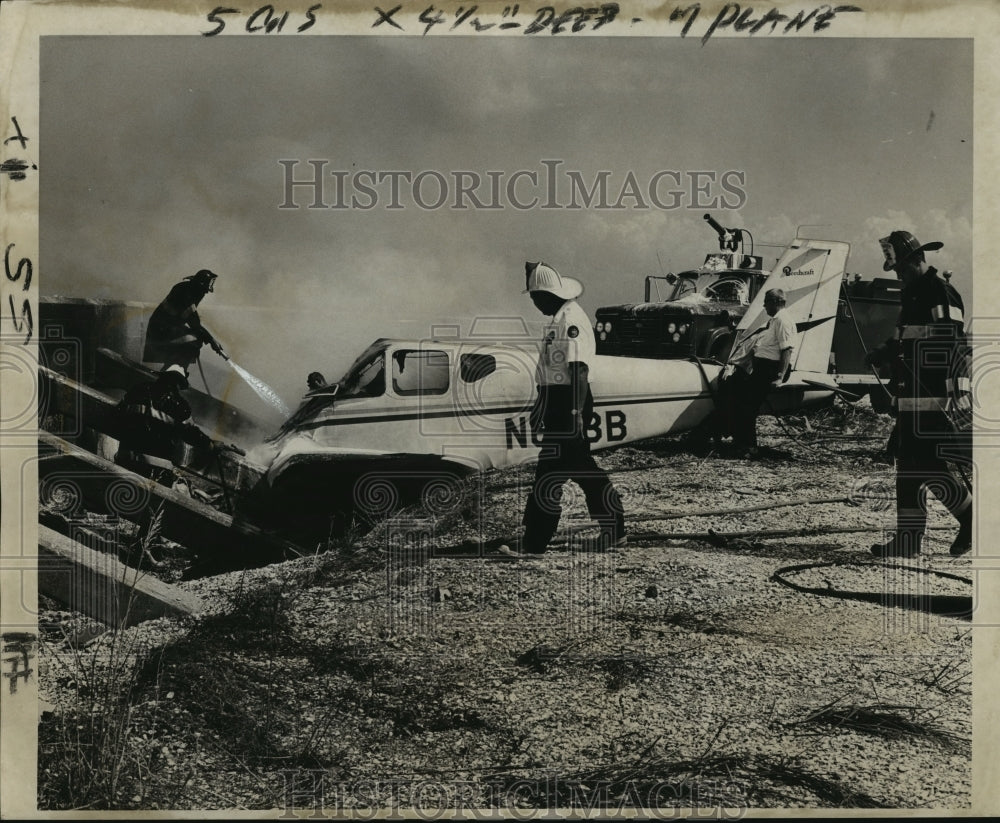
pixel 931 367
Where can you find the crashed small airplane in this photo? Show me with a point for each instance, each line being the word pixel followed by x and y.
pixel 410 419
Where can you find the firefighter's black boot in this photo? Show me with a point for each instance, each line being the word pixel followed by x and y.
pixel 901 544
pixel 963 540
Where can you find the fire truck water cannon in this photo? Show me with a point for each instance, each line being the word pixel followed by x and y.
pixel 729 239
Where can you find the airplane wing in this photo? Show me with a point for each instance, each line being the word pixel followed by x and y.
pixel 814 383
pixel 825 382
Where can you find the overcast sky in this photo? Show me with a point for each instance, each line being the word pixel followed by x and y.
pixel 160 156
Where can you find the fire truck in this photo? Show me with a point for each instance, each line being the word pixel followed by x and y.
pixel 694 314
pixel 699 309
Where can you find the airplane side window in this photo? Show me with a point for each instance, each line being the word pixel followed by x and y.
pixel 419 372
pixel 475 367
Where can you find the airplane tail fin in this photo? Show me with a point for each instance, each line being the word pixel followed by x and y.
pixel 810 273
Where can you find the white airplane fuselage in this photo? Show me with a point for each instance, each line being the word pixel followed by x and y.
pixel 479 422
pixel 463 404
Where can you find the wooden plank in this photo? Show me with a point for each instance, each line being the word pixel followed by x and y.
pixel 77 404
pixel 117 371
pixel 215 416
pixel 105 487
pixel 99 540
pixel 82 407
pixel 99 586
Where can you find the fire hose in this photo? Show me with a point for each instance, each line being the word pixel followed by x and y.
pixel 799 567
pixel 208 391
pixel 945 605
pixel 722 536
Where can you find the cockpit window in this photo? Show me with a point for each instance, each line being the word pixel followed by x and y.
pixel 475 367
pixel 365 380
pixel 416 371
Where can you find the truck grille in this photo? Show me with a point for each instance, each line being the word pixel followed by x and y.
pixel 646 338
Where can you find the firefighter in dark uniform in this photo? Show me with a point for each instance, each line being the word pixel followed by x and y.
pixel 562 410
pixel 929 358
pixel 175 334
pixel 153 423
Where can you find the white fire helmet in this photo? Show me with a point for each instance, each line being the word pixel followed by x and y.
pixel 542 277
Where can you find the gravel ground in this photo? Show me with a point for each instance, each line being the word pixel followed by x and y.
pixel 679 670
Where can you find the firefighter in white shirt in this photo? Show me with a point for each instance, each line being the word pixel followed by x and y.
pixel 562 412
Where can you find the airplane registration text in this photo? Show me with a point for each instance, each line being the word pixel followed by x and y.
pixel 614 429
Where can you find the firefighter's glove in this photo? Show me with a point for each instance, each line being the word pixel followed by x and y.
pixel 217 348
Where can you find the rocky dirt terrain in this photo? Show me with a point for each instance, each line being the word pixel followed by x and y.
pixel 737 653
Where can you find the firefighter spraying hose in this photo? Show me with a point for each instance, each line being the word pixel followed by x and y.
pixel 176 335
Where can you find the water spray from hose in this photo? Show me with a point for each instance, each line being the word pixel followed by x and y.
pixel 264 391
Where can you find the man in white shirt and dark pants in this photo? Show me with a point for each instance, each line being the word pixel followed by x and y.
pixel 562 412
pixel 764 367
